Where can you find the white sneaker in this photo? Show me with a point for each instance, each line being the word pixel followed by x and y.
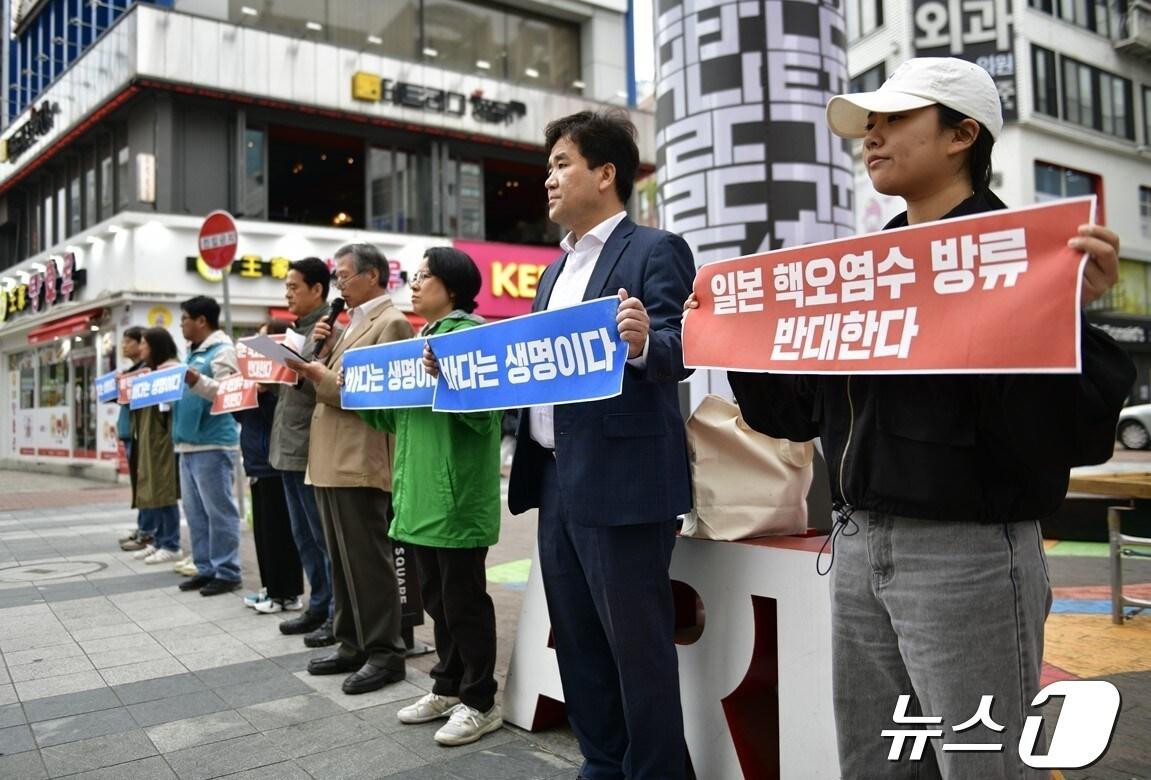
pixel 467 725
pixel 163 556
pixel 252 599
pixel 186 566
pixel 430 707
pixel 144 553
pixel 268 606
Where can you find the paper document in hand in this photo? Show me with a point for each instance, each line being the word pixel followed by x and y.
pixel 271 349
pixel 294 341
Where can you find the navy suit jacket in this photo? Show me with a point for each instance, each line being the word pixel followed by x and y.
pixel 622 460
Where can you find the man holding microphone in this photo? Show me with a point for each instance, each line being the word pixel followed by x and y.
pixel 350 466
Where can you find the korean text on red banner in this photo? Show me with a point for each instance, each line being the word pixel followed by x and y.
pixel 992 293
pixel 258 368
pixel 234 394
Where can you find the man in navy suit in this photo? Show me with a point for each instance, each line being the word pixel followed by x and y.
pixel 610 477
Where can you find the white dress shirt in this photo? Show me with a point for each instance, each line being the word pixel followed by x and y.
pixel 356 314
pixel 568 290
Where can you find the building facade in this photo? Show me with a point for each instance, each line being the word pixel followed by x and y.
pixel 407 124
pixel 1075 80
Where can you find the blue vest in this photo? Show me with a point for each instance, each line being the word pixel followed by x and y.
pixel 192 418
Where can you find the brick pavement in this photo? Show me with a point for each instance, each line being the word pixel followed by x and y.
pixel 109 671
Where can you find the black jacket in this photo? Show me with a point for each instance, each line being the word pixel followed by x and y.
pixel 989 448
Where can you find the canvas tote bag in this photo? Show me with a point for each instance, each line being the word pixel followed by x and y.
pixel 745 483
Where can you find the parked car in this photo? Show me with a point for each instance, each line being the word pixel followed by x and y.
pixel 1134 431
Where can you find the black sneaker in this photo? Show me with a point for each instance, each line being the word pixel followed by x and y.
pixel 304 624
pixel 321 637
pixel 218 586
pixel 195 583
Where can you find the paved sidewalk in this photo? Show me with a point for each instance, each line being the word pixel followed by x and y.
pixel 109 671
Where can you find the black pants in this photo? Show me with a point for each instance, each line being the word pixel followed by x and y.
pixel 453 583
pixel 280 570
pixel 366 595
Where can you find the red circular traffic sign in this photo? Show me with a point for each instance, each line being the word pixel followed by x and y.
pixel 218 239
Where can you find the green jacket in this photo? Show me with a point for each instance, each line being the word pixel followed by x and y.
pixel 157 482
pixel 446 476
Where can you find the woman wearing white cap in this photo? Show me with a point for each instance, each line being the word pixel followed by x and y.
pixel 939 582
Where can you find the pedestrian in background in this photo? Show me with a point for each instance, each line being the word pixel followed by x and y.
pixel 446 492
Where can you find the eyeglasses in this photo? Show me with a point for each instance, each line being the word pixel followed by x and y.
pixel 340 284
pixel 421 277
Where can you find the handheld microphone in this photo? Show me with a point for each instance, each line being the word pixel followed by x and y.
pixel 337 307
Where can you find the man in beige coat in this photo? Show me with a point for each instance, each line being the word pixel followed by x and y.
pixel 350 466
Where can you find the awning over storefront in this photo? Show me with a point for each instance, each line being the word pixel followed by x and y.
pixel 65 326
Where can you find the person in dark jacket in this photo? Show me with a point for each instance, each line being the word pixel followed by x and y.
pixel 141 536
pixel 939 582
pixel 156 488
pixel 276 556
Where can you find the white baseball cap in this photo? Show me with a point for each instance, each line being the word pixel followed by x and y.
pixel 923 81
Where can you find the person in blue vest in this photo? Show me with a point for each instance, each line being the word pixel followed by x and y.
pixel 208 445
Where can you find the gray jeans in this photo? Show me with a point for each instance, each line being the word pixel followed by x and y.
pixel 946 612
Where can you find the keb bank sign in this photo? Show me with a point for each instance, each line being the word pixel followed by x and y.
pixel 511 274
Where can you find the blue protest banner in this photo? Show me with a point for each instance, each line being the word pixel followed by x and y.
pixel 158 387
pixel 386 376
pixel 106 387
pixel 551 357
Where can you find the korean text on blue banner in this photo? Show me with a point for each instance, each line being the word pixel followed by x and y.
pixel 386 376
pixel 158 387
pixel 551 357
pixel 106 387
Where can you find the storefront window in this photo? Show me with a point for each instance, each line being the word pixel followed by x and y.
pixel 400 189
pixel 255 194
pixel 106 178
pixel 75 212
pixel 84 397
pixel 315 178
pixel 465 36
pixel 53 376
pixel 24 363
pixel 544 53
pixel 124 183
pixel 90 215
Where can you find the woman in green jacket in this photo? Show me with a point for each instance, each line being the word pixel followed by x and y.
pixel 446 494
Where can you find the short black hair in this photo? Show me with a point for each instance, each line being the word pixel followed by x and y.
pixel 458 273
pixel 979 156
pixel 203 306
pixel 161 346
pixel 315 271
pixel 276 326
pixel 367 257
pixel 607 137
pixel 136 333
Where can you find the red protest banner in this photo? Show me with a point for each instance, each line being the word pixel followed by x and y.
pixel 234 394
pixel 258 368
pixel 124 385
pixel 996 292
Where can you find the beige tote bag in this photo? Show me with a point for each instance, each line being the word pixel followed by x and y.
pixel 745 483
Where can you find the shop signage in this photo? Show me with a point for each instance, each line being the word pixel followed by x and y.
pixel 510 274
pixel 57 283
pixel 246 267
pixel 371 88
pixel 40 122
